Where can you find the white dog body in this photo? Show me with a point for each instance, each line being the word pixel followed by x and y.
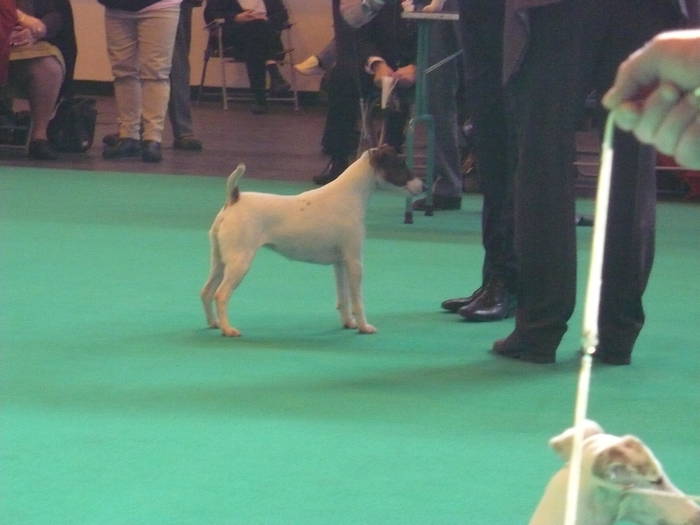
pixel 621 480
pixel 323 226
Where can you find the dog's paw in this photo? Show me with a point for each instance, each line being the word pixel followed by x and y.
pixel 230 332
pixel 367 329
pixel 352 324
pixel 214 324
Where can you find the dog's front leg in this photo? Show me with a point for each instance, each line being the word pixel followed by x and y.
pixel 353 267
pixel 343 293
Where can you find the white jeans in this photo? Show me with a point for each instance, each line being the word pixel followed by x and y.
pixel 140 47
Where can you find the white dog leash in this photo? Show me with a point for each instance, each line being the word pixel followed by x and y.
pixel 590 319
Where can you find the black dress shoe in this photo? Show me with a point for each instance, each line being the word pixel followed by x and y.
pixel 494 303
pixel 440 202
pixel 611 358
pixel 332 171
pixel 512 348
pixel 42 149
pixel 150 151
pixel 452 305
pixel 187 144
pixel 123 148
pixel 111 139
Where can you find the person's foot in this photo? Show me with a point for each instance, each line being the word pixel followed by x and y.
pixel 258 108
pixel 440 202
pixel 452 305
pixel 332 171
pixel 41 149
pixel 111 139
pixel 123 148
pixel 612 358
pixel 495 302
pixel 187 144
pixel 150 151
pixel 310 66
pixel 514 348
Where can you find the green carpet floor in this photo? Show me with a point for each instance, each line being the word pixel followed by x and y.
pixel 120 408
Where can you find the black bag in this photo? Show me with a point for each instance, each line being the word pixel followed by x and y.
pixel 73 127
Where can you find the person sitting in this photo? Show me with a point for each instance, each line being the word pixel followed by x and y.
pixel 252 29
pixel 42 59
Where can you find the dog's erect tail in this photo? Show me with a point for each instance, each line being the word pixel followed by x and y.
pixel 232 191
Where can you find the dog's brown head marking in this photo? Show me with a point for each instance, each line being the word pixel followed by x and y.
pixel 628 462
pixel 386 159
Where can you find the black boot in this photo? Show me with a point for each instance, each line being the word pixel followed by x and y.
pixel 453 305
pixel 332 171
pixel 259 106
pixel 278 85
pixel 494 303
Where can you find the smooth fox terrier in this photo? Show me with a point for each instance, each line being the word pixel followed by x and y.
pixel 323 226
pixel 621 480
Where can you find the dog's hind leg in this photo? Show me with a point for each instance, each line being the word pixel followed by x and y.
pixel 234 271
pixel 216 274
pixel 353 267
pixel 343 292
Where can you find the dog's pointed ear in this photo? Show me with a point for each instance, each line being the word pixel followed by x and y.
pixel 628 462
pixel 564 442
pixel 382 156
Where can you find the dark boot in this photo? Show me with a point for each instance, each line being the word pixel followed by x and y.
pixel 259 106
pixel 494 303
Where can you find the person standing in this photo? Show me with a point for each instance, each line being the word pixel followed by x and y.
pixel 140 40
pixel 556 52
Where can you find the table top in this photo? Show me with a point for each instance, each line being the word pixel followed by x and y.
pixel 421 15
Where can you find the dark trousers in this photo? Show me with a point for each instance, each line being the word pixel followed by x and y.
pixel 481 35
pixel 179 110
pixel 576 46
pixel 255 43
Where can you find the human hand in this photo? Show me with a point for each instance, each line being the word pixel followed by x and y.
pixel 405 76
pixel 33 24
pixel 381 69
pixel 249 16
pixel 21 36
pixel 654 95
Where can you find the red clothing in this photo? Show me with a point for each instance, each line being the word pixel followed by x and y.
pixel 8 18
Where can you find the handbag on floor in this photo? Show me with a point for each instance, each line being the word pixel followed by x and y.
pixel 73 127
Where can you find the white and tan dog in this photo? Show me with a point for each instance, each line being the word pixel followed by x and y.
pixel 621 480
pixel 323 226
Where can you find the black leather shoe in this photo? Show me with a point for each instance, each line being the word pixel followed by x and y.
pixel 123 148
pixel 440 202
pixel 111 139
pixel 494 303
pixel 610 358
pixel 332 171
pixel 150 151
pixel 42 149
pixel 187 144
pixel 452 305
pixel 512 348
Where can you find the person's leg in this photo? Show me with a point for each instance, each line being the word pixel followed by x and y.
pixel 122 48
pixel 179 110
pixel 252 39
pixel 481 25
pixel 442 93
pixel 156 37
pixel 44 75
pixel 629 249
pixel 544 103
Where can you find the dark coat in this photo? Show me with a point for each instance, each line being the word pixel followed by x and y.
pixel 277 14
pixel 127 5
